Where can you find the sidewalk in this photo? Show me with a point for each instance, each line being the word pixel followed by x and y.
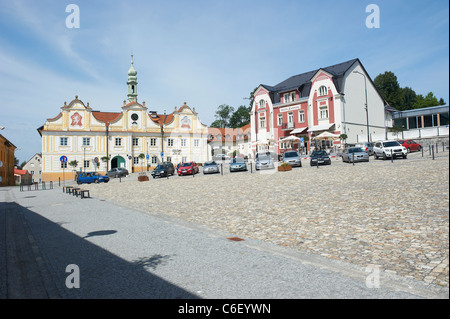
pixel 124 253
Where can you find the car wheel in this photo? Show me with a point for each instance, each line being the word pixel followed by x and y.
pixel 96 181
pixel 384 156
pixel 419 149
pixel 404 156
pixel 408 150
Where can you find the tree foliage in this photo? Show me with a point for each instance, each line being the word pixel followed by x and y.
pixel 403 98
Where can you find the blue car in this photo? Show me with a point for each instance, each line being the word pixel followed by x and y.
pixel 91 177
pixel 238 164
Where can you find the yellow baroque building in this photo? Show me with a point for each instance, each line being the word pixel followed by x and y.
pixel 135 138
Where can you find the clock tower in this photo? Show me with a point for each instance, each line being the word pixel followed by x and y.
pixel 132 83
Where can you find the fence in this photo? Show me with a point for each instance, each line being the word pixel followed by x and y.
pixel 35 186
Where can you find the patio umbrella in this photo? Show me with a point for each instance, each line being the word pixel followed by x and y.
pixel 290 138
pixel 327 136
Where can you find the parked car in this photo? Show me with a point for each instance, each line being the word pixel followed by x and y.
pixel 355 154
pixel 264 161
pixel 320 158
pixel 238 164
pixel 292 158
pixel 210 167
pixel 410 145
pixel 221 157
pixel 91 177
pixel 385 149
pixel 188 168
pixel 366 147
pixel 163 170
pixel 117 172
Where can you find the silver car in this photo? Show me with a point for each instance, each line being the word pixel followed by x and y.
pixel 264 161
pixel 210 167
pixel 292 158
pixel 354 154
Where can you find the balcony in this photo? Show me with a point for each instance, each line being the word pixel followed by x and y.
pixel 287 126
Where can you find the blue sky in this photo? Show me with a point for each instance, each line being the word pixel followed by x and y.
pixel 205 53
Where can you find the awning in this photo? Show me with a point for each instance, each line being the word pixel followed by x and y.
pixel 324 127
pixel 299 130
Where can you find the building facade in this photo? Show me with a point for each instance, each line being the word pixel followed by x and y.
pixel 7 150
pixel 34 167
pixel 134 138
pixel 339 99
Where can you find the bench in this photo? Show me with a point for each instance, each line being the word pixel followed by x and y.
pixel 67 189
pixel 74 190
pixel 82 192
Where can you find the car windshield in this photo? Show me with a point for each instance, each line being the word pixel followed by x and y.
pixel 355 150
pixel 319 153
pixel 210 163
pixel 238 160
pixel 263 158
pixel 290 154
pixel 161 166
pixel 186 164
pixel 390 144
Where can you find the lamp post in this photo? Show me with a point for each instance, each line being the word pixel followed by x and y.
pixel 367 112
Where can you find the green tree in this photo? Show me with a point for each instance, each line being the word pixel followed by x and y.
pixel 240 117
pixel 427 101
pixel 388 86
pixel 223 114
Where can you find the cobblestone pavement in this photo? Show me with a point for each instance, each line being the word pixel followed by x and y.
pixel 390 215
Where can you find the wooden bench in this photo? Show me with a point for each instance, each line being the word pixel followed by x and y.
pixel 82 192
pixel 74 190
pixel 67 189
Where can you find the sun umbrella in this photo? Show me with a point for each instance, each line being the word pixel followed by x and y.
pixel 327 136
pixel 290 138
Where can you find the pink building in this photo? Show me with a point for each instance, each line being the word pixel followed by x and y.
pixel 331 99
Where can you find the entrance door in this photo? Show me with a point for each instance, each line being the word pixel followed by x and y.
pixel 117 161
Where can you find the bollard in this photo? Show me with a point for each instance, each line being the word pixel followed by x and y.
pixel 221 168
pixel 392 156
pixel 353 157
pixel 43 185
pixel 436 148
pixel 429 149
pixel 59 181
pixel 422 151
pixel 432 151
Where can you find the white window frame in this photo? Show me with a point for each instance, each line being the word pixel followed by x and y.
pixel 118 141
pixel 135 141
pixel 262 103
pixel 86 163
pixel 183 142
pixel 290 119
pixel 196 142
pixel 323 90
pixel 286 97
pixel 280 119
pixel 323 111
pixel 293 96
pixel 262 121
pixel 135 160
pixel 170 142
pixel 153 141
pixel 154 159
pixel 86 141
pixel 301 116
pixel 63 141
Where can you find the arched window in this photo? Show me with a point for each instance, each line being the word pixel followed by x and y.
pixel 323 90
pixel 262 103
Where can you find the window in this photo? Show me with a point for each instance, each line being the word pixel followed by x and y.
pixel 118 141
pixel 86 141
pixel 293 96
pixel 86 164
pixel 324 112
pixel 280 119
pixel 301 116
pixel 153 142
pixel 169 159
pixel 196 143
pixel 154 160
pixel 170 142
pixel 63 141
pixel 135 160
pixel 135 141
pixel 183 142
pixel 262 122
pixel 184 159
pixel 323 90
pixel 290 119
pixel 262 104
pixel 64 165
pixel 286 98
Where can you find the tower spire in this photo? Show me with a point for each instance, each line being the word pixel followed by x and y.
pixel 132 82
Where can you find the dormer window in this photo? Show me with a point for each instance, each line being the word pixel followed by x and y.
pixel 286 98
pixel 323 90
pixel 262 103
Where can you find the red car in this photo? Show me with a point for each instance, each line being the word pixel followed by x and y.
pixel 411 145
pixel 188 168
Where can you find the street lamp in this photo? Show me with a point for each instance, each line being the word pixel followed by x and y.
pixel 367 112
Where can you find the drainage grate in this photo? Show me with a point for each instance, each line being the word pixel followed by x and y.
pixel 235 239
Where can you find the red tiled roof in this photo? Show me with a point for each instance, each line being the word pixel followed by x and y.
pixel 106 117
pixel 20 171
pixel 162 119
